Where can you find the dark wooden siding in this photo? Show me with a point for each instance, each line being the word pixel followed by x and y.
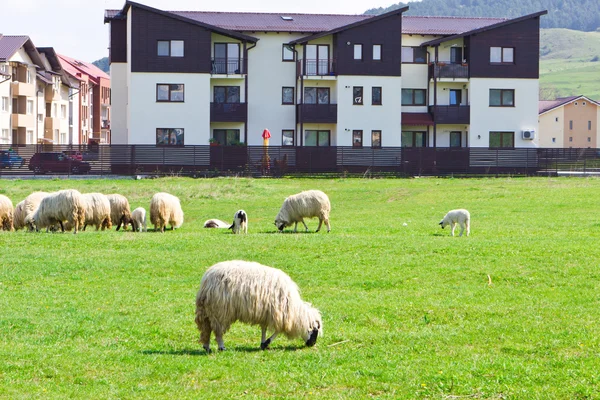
pixel 524 36
pixel 147 28
pixel 387 32
pixel 118 41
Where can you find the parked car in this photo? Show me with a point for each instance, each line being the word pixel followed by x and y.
pixel 42 163
pixel 10 159
pixel 74 154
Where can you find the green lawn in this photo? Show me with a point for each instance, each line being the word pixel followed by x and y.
pixel 408 311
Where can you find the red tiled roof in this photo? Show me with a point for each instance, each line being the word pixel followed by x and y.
pixel 444 25
pixel 417 119
pixel 10 44
pixel 73 67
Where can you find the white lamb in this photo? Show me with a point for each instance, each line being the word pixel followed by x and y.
pixel 30 205
pixel 165 209
pixel 216 223
pixel 138 219
pixel 308 204
pixel 460 217
pixel 6 213
pixel 240 222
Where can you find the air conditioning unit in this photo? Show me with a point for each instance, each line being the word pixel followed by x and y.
pixel 528 134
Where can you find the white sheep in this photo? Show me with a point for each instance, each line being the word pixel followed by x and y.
pixel 6 213
pixel 19 216
pixel 216 223
pixel 97 211
pixel 240 222
pixel 165 209
pixel 138 219
pixel 254 294
pixel 56 208
pixel 308 204
pixel 460 217
pixel 30 205
pixel 120 212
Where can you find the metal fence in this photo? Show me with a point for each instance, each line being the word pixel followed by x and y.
pixel 276 161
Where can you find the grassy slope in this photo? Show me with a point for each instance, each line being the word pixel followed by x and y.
pixel 408 310
pixel 566 65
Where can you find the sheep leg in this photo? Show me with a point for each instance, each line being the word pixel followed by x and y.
pixel 265 343
pixel 295 227
pixel 304 223
pixel 327 224
pixel 219 337
pixel 320 223
pixel 468 228
pixel 462 229
pixel 453 228
pixel 205 335
pixel 62 228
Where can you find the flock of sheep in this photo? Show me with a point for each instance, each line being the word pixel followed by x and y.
pixel 230 291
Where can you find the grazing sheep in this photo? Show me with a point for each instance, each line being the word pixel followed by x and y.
pixel 55 208
pixel 240 222
pixel 97 211
pixel 461 217
pixel 19 216
pixel 165 209
pixel 308 204
pixel 120 212
pixel 254 294
pixel 6 213
pixel 216 223
pixel 30 205
pixel 138 219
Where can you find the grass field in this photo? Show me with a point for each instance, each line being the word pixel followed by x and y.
pixel 409 312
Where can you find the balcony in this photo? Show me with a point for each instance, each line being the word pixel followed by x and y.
pixel 51 124
pixel 317 113
pixel 23 121
pixel 449 71
pixel 228 112
pixel 320 68
pixel 228 66
pixel 451 114
pixel 52 95
pixel 23 89
pixel 105 124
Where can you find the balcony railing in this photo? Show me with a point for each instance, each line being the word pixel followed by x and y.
pixel 448 70
pixel 228 66
pixel 228 112
pixel 105 124
pixel 451 114
pixel 308 67
pixel 317 113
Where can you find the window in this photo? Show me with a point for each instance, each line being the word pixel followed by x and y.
pixel 28 77
pixel 376 52
pixel 455 139
pixel 317 59
pixel 5 104
pixel 502 97
pixel 316 138
pixel 571 125
pixel 287 138
pixel 287 53
pixel 227 137
pixel 376 96
pixel 570 138
pixel 287 95
pixel 357 138
pixel 63 111
pixel 56 137
pixel 376 139
pixel 553 140
pixel 40 117
pixel 313 95
pixel 30 107
pixel 4 137
pixel 589 139
pixel 589 125
pixel 414 55
pixel 455 97
pixel 456 55
pixel 556 119
pixel 170 48
pixel 54 110
pixel 63 138
pixel 413 97
pixel 413 139
pixel 357 95
pixel 169 92
pixel 502 139
pixel 169 136
pixel 502 55
pixel 30 137
pixel 358 51
pixel 227 58
pixel 226 94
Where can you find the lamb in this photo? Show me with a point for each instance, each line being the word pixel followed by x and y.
pixel 55 208
pixel 240 222
pixel 120 212
pixel 459 216
pixel 138 219
pixel 216 223
pixel 308 204
pixel 6 213
pixel 97 211
pixel 257 295
pixel 19 216
pixel 165 209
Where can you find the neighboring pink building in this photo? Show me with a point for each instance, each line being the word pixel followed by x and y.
pixel 94 96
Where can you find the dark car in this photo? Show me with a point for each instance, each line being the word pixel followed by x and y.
pixel 74 154
pixel 10 159
pixel 41 163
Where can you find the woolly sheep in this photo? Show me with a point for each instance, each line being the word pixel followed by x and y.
pixel 120 212
pixel 55 208
pixel 308 204
pixel 461 217
pixel 138 219
pixel 6 213
pixel 30 205
pixel 165 209
pixel 216 223
pixel 257 295
pixel 240 222
pixel 19 216
pixel 97 211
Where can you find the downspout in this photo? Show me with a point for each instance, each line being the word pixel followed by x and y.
pixel 246 89
pixel 72 119
pixel 293 48
pixel 37 112
pixel 435 96
pixel 302 94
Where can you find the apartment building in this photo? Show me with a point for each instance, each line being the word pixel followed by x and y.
pixel 187 77
pixel 569 122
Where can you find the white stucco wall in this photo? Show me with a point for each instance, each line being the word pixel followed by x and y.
pixel 486 119
pixel 551 128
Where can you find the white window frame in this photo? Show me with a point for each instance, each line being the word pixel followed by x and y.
pixel 502 55
pixel 358 51
pixel 376 52
pixel 29 107
pixel 4 136
pixel 30 137
pixel 5 104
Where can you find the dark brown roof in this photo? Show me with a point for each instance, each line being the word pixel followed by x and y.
pixel 547 105
pixel 444 25
pixel 9 45
pixel 417 119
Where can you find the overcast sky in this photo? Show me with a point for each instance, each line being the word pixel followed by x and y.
pixel 76 27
